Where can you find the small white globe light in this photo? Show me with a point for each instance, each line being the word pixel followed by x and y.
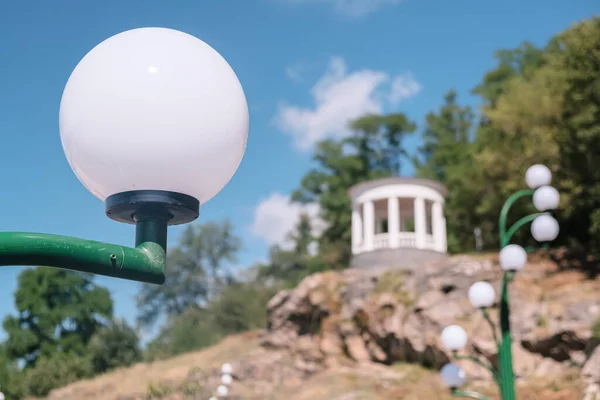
pixel 546 198
pixel 226 379
pixel 513 257
pixel 227 369
pixel 545 228
pixel 482 295
pixel 452 375
pixel 154 109
pixel 454 338
pixel 222 391
pixel 1 396
pixel 538 175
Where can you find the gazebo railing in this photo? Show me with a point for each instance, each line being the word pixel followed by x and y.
pixel 381 241
pixel 405 240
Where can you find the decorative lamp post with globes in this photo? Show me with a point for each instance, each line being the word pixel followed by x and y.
pixel 544 229
pixel 153 122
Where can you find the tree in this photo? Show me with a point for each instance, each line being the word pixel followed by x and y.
pixel 291 266
pixel 11 378
pixel 193 269
pixel 374 150
pixel 191 330
pixel 522 61
pixel 547 113
pixel 576 56
pixel 114 346
pixel 491 179
pixel 241 307
pixel 56 370
pixel 58 311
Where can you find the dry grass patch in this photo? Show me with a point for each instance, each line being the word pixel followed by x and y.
pixel 159 376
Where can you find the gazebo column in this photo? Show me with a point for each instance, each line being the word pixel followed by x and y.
pixel 439 227
pixel 369 225
pixel 420 222
pixel 357 228
pixel 393 223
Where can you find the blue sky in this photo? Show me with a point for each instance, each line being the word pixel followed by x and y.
pixel 306 67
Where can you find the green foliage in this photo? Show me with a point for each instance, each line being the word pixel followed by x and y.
pixel 114 346
pixel 191 330
pixel 291 266
pixel 55 371
pixel 12 383
pixel 548 112
pixel 239 307
pixel 576 61
pixel 58 311
pixel 195 268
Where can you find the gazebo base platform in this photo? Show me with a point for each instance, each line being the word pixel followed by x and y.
pixel 404 258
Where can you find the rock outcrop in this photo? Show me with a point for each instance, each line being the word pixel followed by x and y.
pixel 387 316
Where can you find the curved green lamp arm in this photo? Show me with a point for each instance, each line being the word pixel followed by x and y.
pixel 469 394
pixel 506 208
pixel 505 240
pixel 487 317
pixel 144 263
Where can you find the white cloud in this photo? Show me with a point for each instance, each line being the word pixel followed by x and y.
pixel 339 97
pixel 351 8
pixel 275 217
pixel 404 87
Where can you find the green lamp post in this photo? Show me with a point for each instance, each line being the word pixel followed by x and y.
pixel 544 229
pixel 154 123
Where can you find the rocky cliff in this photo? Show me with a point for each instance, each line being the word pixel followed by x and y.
pixel 387 316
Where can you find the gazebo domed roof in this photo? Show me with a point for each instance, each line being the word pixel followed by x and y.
pixel 362 187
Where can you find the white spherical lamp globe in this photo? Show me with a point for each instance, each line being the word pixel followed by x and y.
pixel 222 391
pixel 546 198
pixel 545 228
pixel 154 109
pixel 454 338
pixel 1 396
pixel 482 295
pixel 226 379
pixel 538 175
pixel 513 257
pixel 452 376
pixel 226 369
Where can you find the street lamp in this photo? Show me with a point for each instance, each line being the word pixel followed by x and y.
pixel 154 123
pixel 512 258
pixel 222 391
pixel 454 377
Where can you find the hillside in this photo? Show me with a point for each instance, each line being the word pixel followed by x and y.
pixel 363 334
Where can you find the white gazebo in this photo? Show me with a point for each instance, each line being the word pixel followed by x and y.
pixel 398 214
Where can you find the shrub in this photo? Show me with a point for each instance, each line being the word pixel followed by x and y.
pixel 114 346
pixel 56 371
